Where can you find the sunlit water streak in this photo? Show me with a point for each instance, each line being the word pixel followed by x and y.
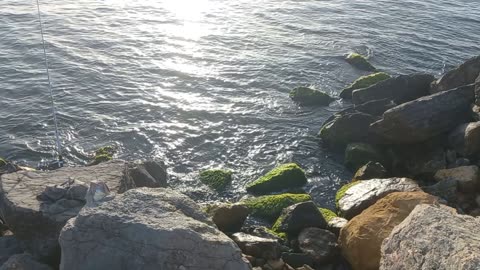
pixel 205 83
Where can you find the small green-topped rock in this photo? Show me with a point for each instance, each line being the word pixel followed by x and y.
pixel 342 190
pixel 216 179
pixel 99 159
pixel 103 154
pixel 327 214
pixel 269 207
pixel 286 176
pixel 309 97
pixel 359 61
pixel 362 82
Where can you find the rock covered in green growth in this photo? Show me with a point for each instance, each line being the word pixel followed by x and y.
pixel 327 214
pixel 359 61
pixel 216 179
pixel 286 176
pixel 280 235
pixel 269 207
pixel 103 154
pixel 342 190
pixel 362 82
pixel 309 96
pixel 359 154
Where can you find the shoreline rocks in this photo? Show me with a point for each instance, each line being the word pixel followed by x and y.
pixel 285 176
pixel 306 96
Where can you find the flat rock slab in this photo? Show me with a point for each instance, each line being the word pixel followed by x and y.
pixel 147 229
pixel 362 195
pixel 433 238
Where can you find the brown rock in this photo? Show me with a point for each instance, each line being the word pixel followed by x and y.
pixel 229 217
pixel 361 239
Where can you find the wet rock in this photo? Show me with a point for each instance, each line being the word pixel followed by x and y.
pixel 320 244
pixel 299 216
pixel 455 238
pixel 269 207
pixel 359 61
pixel 229 217
pixel 467 177
pixel 359 154
pixel 425 117
pixel 216 179
pixel 336 224
pixel 151 173
pixel 168 227
pixel 9 246
pixel 357 197
pixel 446 189
pixel 265 248
pixel 376 107
pixel 399 89
pixel 465 139
pixel 23 262
pixel 346 127
pixel 286 176
pixel 297 259
pixel 36 205
pixel 362 82
pixel 362 237
pixel 310 97
pixel 370 170
pixel 464 74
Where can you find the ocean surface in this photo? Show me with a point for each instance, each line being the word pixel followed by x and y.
pixel 204 83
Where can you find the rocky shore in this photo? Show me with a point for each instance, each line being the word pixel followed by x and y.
pixel 412 141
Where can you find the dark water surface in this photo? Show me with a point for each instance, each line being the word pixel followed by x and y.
pixel 204 83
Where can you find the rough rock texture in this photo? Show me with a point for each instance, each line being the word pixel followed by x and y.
pixel 285 176
pixel 229 217
pixel 467 177
pixel 346 127
pixel 269 207
pixel 425 117
pixel 265 248
pixel 9 246
pixel 376 107
pixel 446 189
pixel 320 244
pixel 370 170
pixel 23 262
pixel 433 238
pixel 360 196
pixel 465 139
pixel 36 205
pixel 146 229
pixel 362 237
pixel 310 97
pixel 400 89
pixel 362 82
pixel 359 154
pixel 464 74
pixel 299 216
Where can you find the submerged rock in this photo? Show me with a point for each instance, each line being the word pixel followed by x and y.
pixel 359 61
pixel 319 244
pixel 425 117
pixel 399 89
pixel 441 239
pixel 216 179
pixel 362 237
pixel 24 262
pixel 464 74
pixel 265 248
pixel 354 198
pixel 370 170
pixel 467 177
pixel 362 82
pixel 269 207
pixel 299 216
pixel 286 176
pixel 167 227
pixel 359 154
pixel 228 217
pixel 308 97
pixel 465 139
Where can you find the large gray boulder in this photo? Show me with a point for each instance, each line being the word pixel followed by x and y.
pixel 35 205
pixel 464 74
pixel 425 117
pixel 147 229
pixel 399 89
pixel 433 238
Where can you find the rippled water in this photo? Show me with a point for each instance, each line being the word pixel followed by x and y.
pixel 204 83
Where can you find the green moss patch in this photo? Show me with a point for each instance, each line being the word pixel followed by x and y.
pixel 103 154
pixel 269 207
pixel 342 190
pixel 359 61
pixel 363 82
pixel 327 214
pixel 309 96
pixel 286 176
pixel 216 179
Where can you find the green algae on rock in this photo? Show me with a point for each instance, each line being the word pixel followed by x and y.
pixel 216 179
pixel 310 97
pixel 362 82
pixel 342 190
pixel 327 214
pixel 286 176
pixel 269 207
pixel 103 154
pixel 359 61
